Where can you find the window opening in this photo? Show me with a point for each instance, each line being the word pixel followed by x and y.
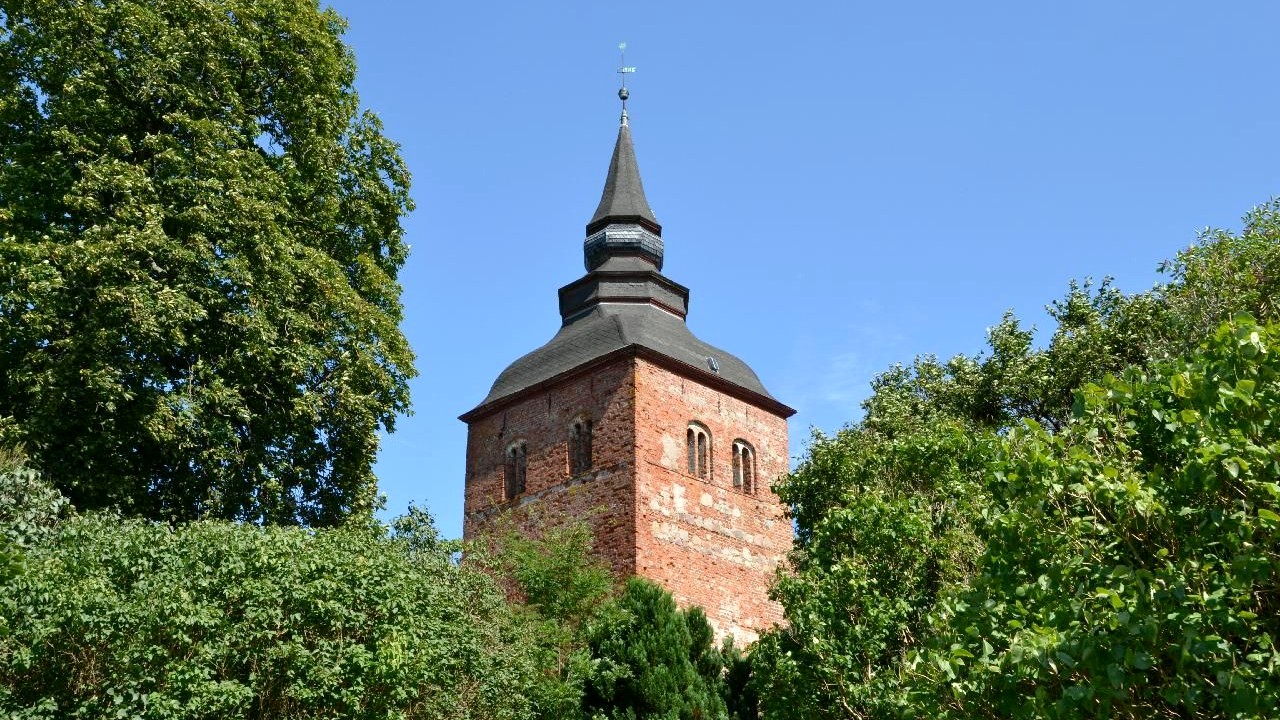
pixel 699 448
pixel 692 444
pixel 744 467
pixel 515 470
pixel 580 447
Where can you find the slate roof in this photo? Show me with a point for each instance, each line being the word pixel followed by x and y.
pixel 609 327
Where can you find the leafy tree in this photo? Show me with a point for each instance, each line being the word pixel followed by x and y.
pixel 1133 558
pixel 889 510
pixel 553 571
pixel 199 244
pixel 630 656
pixel 654 660
pixel 114 617
pixel 886 510
pixel 1098 329
pixel 559 588
pixel 1223 274
pixel 874 555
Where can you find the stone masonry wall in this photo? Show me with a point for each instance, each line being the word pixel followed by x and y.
pixel 604 497
pixel 708 543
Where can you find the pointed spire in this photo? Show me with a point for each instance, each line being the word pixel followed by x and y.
pixel 623 225
pixel 623 199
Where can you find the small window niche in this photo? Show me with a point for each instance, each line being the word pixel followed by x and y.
pixel 698 439
pixel 744 467
pixel 516 465
pixel 580 446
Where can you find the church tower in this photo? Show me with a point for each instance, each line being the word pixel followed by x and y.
pixel 664 445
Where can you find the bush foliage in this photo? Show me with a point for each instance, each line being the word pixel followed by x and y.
pixel 104 616
pixel 654 660
pixel 116 617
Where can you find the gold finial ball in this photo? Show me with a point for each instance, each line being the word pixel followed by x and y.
pixel 623 94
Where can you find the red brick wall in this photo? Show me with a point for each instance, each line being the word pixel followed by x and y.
pixel 708 543
pixel 604 497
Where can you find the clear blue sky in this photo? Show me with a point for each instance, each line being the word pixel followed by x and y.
pixel 842 185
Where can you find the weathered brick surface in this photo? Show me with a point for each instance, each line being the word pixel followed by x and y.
pixel 708 543
pixel 604 497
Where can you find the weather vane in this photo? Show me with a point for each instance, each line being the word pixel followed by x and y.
pixel 623 70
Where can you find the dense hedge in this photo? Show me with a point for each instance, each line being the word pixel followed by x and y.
pixel 129 618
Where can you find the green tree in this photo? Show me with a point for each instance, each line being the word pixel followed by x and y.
pixel 889 511
pixel 1223 274
pixel 114 617
pixel 653 660
pixel 886 510
pixel 633 655
pixel 199 245
pixel 875 554
pixel 558 589
pixel 1133 558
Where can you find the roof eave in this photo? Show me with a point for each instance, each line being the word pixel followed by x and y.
pixel 635 350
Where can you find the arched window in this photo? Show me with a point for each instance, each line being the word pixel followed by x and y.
pixel 699 446
pixel 515 469
pixel 744 467
pixel 580 446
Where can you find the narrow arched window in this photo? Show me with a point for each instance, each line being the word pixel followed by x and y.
pixel 580 446
pixel 744 467
pixel 515 469
pixel 698 440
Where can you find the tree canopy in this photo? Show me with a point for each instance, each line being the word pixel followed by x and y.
pixel 199 246
pixel 968 490
pixel 1132 559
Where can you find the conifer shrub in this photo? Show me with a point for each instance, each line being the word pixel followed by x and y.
pixel 654 660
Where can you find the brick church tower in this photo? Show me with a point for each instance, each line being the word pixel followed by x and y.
pixel 665 445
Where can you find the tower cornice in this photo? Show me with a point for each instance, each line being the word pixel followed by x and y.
pixel 635 350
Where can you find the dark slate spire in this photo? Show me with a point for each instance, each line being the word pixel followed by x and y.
pixel 623 224
pixel 623 198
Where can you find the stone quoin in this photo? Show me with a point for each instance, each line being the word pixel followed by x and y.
pixel 664 445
